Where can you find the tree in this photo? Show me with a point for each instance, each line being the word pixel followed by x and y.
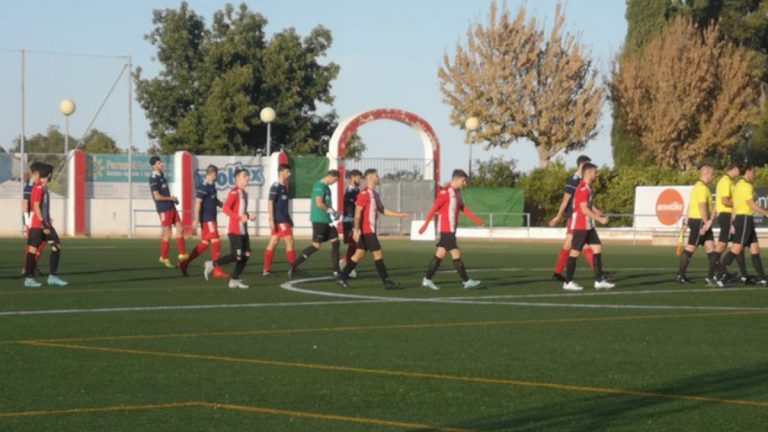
pixel 215 80
pixel 688 97
pixel 495 172
pixel 52 142
pixel 523 84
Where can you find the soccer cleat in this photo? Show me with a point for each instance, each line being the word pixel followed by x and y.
pixel 558 277
pixel 472 284
pixel 165 262
pixel 342 282
pixel 728 277
pixel 748 280
pixel 572 286
pixel 763 283
pixel 683 279
pixel 54 280
pixel 266 273
pixel 713 283
pixel 353 274
pixel 184 267
pixel 291 271
pixel 429 284
pixel 604 285
pixel 609 275
pixel 183 257
pixel 391 285
pixel 237 283
pixel 218 273
pixel 208 269
pixel 31 283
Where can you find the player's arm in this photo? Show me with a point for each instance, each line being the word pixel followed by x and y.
pixel 704 210
pixel 592 214
pixel 756 208
pixel 388 212
pixel 229 206
pixel 358 221
pixel 273 194
pixel 157 197
pixel 561 211
pixel 727 201
pixel 37 198
pixel 439 202
pixel 472 216
pixel 196 216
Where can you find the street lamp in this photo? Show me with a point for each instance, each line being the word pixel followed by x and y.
pixel 67 107
pixel 471 124
pixel 268 115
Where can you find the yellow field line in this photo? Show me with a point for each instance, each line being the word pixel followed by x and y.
pixel 407 374
pixel 397 327
pixel 238 408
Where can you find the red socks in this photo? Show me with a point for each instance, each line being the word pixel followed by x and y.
pixel 164 248
pixel 562 260
pixel 291 256
pixel 182 245
pixel 216 251
pixel 268 255
pixel 589 255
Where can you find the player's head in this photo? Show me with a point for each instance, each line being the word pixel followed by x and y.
pixel 372 177
pixel 34 170
pixel 331 176
pixel 45 171
pixel 747 170
pixel 242 176
pixel 355 176
pixel 284 172
pixel 459 179
pixel 211 172
pixel 156 163
pixel 706 173
pixel 580 162
pixel 733 169
pixel 588 172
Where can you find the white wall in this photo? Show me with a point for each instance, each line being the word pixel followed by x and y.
pixel 10 218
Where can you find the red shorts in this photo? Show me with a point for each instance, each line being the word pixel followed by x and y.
pixel 283 230
pixel 209 231
pixel 169 218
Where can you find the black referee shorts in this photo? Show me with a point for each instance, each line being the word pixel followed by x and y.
pixel 369 242
pixel 695 237
pixel 584 237
pixel 745 230
pixel 724 222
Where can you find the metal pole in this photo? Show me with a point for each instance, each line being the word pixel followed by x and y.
pixel 470 161
pixel 66 135
pixel 130 148
pixel 23 117
pixel 269 139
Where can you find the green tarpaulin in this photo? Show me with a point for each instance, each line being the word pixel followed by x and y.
pixel 305 171
pixel 498 201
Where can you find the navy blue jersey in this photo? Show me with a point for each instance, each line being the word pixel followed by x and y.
pixel 350 197
pixel 278 194
pixel 157 183
pixel 206 193
pixel 28 194
pixel 570 188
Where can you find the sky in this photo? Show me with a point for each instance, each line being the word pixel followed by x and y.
pixel 389 53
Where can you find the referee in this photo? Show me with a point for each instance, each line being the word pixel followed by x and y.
pixel 700 220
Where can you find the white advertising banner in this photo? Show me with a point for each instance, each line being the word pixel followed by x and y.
pixel 227 166
pixel 660 206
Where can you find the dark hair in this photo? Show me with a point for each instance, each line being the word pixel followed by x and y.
pixel 332 173
pixel 44 170
pixel 459 173
pixel 583 159
pixel 212 169
pixel 354 173
pixel 283 167
pixel 745 167
pixel 242 170
pixel 370 171
pixel 588 166
pixel 34 167
pixel 153 160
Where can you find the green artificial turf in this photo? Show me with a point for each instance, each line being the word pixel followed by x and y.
pixel 132 346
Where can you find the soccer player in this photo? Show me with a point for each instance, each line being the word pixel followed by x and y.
pixel 448 205
pixel 367 208
pixel 280 222
pixel 724 208
pixel 206 206
pixel 744 206
pixel 41 230
pixel 236 207
pixel 348 220
pixel 26 211
pixel 582 226
pixel 322 216
pixel 700 220
pixel 166 209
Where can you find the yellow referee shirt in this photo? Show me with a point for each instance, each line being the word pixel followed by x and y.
pixel 743 192
pixel 724 190
pixel 699 194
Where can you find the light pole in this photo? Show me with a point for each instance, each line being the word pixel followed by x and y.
pixel 471 124
pixel 268 115
pixel 67 107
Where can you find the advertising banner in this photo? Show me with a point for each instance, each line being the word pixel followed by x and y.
pixel 660 206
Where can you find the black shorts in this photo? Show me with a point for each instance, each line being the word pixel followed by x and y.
pixel 369 242
pixel 239 245
pixel 724 222
pixel 745 230
pixel 37 237
pixel 695 238
pixel 584 237
pixel 349 237
pixel 447 241
pixel 323 232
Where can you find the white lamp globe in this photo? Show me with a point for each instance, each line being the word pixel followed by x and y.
pixel 67 107
pixel 472 123
pixel 267 115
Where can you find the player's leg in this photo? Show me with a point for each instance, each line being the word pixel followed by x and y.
pixel 243 254
pixel 757 262
pixel 290 251
pixel 34 239
pixel 579 240
pixel 694 226
pixel 740 239
pixel 461 269
pixel 319 235
pixel 349 267
pixel 269 254
pixel 55 244
pixel 333 235
pixel 165 246
pixel 234 245
pixel 714 262
pixel 181 243
pixel 562 258
pixel 596 246
pixel 434 265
